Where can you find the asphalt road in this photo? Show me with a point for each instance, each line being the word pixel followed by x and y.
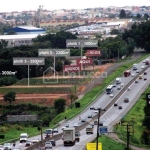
pixel 111 117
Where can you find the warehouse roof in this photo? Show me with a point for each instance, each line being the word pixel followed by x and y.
pixel 30 28
pixel 22 36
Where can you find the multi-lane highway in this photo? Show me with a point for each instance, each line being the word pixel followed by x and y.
pixel 112 114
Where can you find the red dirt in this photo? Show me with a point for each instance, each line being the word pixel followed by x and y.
pixel 48 99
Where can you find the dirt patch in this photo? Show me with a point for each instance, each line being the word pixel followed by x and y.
pixel 42 99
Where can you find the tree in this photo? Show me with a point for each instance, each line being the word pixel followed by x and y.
pixel 122 14
pixel 138 16
pixel 59 105
pixel 10 97
pixel 114 32
pixel 72 98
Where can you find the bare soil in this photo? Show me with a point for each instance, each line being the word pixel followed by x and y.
pixel 48 99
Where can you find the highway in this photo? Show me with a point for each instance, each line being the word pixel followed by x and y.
pixel 111 116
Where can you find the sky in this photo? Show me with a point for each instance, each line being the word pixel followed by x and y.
pixel 26 5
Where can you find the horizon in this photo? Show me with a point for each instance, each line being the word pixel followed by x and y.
pixel 28 5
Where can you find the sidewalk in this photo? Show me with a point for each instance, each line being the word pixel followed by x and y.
pixel 116 138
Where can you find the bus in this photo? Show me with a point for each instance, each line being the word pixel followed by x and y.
pixel 48 132
pixel 109 89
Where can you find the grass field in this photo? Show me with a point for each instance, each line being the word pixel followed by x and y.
pixel 37 90
pixel 110 144
pixel 134 117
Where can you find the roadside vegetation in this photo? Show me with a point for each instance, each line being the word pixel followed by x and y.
pixel 110 144
pixel 135 117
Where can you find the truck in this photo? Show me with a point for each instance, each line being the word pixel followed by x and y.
pixel 135 66
pixel 23 137
pixel 69 136
pixel 89 129
pixel 118 80
pixel 147 61
pixel 127 73
pixel 77 136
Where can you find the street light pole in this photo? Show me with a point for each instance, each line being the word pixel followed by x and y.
pixel 99 112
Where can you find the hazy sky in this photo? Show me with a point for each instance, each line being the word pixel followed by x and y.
pixel 21 5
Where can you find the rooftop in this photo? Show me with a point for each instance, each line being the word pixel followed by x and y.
pixel 22 36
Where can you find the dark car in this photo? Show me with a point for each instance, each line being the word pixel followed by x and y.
pixel 115 104
pixel 145 73
pixel 28 143
pixel 145 78
pixel 120 107
pixel 136 81
pixel 126 100
pixel 53 142
pixel 83 120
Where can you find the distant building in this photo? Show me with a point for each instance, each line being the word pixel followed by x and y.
pixel 26 30
pixel 18 40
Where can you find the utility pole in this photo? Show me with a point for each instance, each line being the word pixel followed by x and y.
pixel 128 135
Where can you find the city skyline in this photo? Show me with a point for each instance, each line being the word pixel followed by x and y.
pixel 16 5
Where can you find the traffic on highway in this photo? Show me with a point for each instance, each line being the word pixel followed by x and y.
pixel 118 98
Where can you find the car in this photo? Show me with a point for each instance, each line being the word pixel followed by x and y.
pixel 145 78
pixel 48 145
pixel 7 146
pixel 114 85
pixel 90 116
pixel 122 84
pixel 115 104
pixel 128 89
pixel 111 95
pixel 92 124
pixel 145 73
pixel 16 148
pixel 119 88
pixel 67 125
pixel 1 147
pixel 92 107
pixel 55 130
pixel 76 125
pixel 120 107
pixel 53 142
pixel 35 141
pixel 95 122
pixel 63 127
pixel 143 61
pixel 83 120
pixel 142 67
pixel 132 75
pixel 126 100
pixel 96 111
pixel 136 81
pixel 28 143
pixel 140 76
pixel 137 71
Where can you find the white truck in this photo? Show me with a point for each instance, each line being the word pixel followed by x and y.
pixel 135 66
pixel 69 136
pixel 118 80
pixel 23 137
pixel 89 129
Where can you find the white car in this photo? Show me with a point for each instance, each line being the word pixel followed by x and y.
pixel 111 95
pixel 142 67
pixel 7 146
pixel 48 145
pixel 75 125
pixel 63 128
pixel 132 75
pixel 1 147
pixel 35 141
